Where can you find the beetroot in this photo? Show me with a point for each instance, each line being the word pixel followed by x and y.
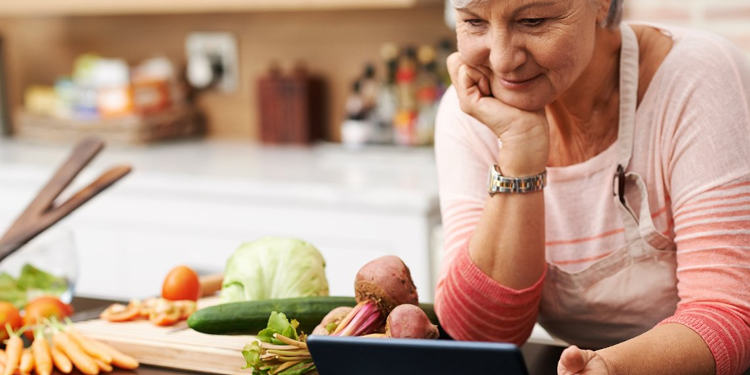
pixel 380 286
pixel 387 282
pixel 409 321
pixel 334 318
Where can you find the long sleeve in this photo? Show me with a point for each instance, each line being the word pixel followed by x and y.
pixel 708 174
pixel 469 304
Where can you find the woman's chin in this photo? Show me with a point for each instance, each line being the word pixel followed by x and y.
pixel 524 102
pixel 531 97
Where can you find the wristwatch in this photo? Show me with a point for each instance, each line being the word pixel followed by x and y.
pixel 527 184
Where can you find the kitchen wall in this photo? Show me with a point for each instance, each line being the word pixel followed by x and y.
pixel 730 18
pixel 334 44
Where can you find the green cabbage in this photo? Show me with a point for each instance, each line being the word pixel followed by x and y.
pixel 274 267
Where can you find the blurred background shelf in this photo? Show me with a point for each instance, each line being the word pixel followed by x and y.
pixel 96 7
pixel 179 122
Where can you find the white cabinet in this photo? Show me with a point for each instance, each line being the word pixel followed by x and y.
pixel 194 203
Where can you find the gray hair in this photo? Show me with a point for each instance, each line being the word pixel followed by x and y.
pixel 614 16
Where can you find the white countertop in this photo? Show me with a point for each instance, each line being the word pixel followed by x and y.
pixel 377 177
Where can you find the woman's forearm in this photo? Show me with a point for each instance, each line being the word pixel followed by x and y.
pixel 665 349
pixel 508 243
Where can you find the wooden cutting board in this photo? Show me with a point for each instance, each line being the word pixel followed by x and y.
pixel 171 346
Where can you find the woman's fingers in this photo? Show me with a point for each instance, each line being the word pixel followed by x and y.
pixel 465 77
pixel 471 79
pixel 572 361
pixel 523 133
pixel 473 91
pixel 483 83
pixel 578 361
pixel 453 62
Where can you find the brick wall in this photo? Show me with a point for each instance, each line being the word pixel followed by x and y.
pixel 730 18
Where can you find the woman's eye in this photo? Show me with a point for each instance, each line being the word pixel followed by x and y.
pixel 532 22
pixel 475 22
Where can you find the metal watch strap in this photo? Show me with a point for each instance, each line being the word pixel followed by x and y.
pixel 527 184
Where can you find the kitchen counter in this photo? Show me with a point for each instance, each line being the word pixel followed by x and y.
pixel 539 358
pixel 381 177
pixel 195 202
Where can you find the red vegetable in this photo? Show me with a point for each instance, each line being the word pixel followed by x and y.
pixel 181 283
pixel 9 314
pixel 332 319
pixel 409 321
pixel 380 286
pixel 386 281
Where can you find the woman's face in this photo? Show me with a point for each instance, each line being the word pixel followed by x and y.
pixel 531 51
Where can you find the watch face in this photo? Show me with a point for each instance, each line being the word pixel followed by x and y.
pixel 491 180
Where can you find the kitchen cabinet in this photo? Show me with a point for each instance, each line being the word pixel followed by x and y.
pixel 195 202
pixel 96 7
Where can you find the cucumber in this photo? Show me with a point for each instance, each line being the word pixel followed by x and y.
pixel 249 317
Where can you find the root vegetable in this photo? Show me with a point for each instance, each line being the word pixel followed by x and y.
pixel 119 358
pixel 409 321
pixel 104 366
pixel 332 320
pixel 27 362
pixel 42 356
pixel 13 351
pixel 80 359
pixel 380 286
pixel 386 281
pixel 89 347
pixel 61 361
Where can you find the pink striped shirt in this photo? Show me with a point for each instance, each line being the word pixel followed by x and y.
pixel 692 147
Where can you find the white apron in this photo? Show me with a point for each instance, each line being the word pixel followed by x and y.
pixel 635 287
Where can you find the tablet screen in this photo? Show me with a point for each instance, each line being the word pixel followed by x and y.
pixel 365 356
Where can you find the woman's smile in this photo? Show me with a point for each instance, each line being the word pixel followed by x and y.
pixel 517 84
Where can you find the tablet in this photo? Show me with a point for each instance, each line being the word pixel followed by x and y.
pixel 371 356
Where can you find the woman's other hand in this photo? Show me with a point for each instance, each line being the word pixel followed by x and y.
pixel 578 361
pixel 524 135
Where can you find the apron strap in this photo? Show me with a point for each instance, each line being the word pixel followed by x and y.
pixel 628 100
pixel 638 225
pixel 628 95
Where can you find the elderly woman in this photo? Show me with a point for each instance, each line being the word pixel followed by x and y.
pixel 617 212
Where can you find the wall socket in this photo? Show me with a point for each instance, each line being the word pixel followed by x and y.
pixel 212 60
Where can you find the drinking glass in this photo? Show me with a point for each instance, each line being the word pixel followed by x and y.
pixel 47 265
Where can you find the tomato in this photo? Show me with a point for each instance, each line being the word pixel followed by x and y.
pixel 181 283
pixel 9 314
pixel 165 313
pixel 45 307
pixel 186 308
pixel 120 313
pixel 164 319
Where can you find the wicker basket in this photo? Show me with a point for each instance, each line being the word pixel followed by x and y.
pixel 179 122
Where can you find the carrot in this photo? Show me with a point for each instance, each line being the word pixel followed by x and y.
pixel 104 366
pixel 13 350
pixel 80 359
pixel 119 358
pixel 27 362
pixel 42 357
pixel 61 361
pixel 90 348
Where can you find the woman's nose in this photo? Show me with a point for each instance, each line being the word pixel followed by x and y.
pixel 505 54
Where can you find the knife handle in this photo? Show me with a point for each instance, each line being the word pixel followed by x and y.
pixel 210 284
